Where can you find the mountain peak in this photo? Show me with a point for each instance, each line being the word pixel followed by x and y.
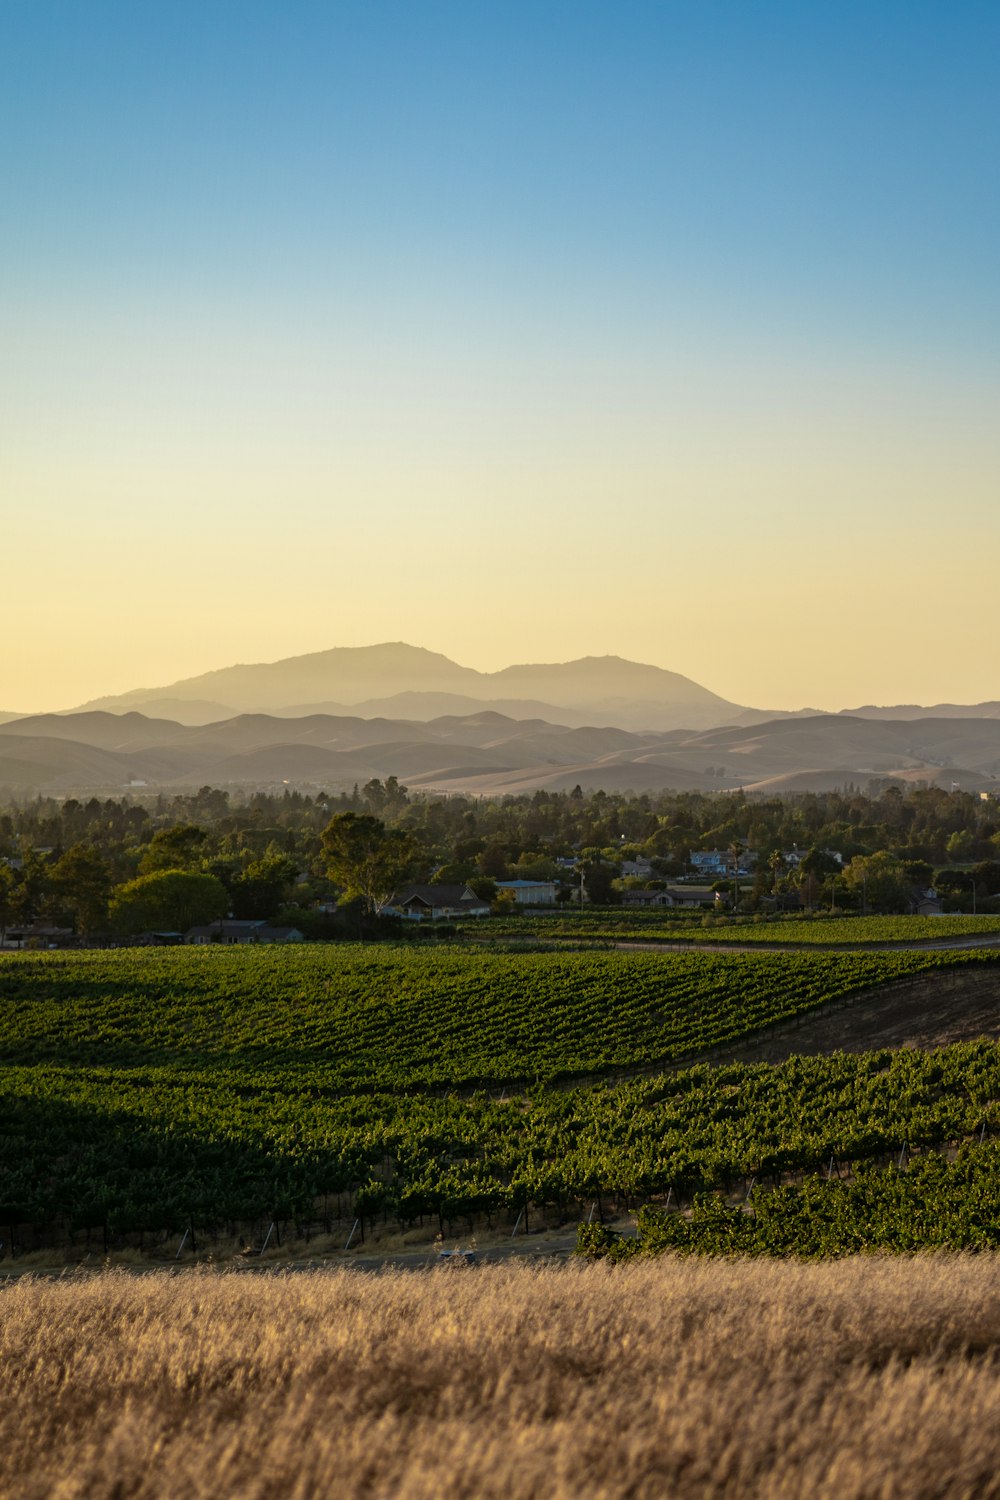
pixel 605 689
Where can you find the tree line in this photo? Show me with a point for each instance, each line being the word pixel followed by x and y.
pixel 112 865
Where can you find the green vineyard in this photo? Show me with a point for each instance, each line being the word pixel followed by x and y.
pixel 144 1091
pixel 621 925
pixel 929 1203
pixel 368 1018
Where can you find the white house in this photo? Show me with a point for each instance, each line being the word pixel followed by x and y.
pixel 530 892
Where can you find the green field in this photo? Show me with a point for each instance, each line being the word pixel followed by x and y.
pixel 874 930
pixel 365 1018
pixel 143 1090
pixel 625 926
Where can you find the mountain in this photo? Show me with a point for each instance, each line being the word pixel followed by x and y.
pixel 989 710
pixel 611 685
pixel 486 753
pixel 426 706
pixel 345 674
pixel 401 679
pixel 332 718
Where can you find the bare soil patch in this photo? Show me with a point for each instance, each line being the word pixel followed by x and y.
pixel 933 1010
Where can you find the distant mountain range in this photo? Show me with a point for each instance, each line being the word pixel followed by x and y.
pixel 336 717
pixel 485 754
pixel 409 682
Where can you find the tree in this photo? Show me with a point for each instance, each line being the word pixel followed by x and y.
pixel 881 880
pixel 493 861
pixel 263 885
pixel 597 879
pixel 365 858
pixel 32 887
pixel 6 898
pixel 817 874
pixel 174 848
pixel 959 846
pixel 82 881
pixel 168 901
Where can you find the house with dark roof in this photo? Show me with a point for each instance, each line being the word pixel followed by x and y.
pixel 676 896
pixel 422 902
pixel 643 898
pixel 229 931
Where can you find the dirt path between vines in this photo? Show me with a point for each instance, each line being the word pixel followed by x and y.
pixel 933 1010
pixel 918 945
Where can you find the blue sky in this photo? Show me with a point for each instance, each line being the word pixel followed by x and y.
pixel 666 302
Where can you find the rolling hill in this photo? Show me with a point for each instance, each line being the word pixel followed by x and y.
pixel 487 753
pixel 407 681
pixel 331 718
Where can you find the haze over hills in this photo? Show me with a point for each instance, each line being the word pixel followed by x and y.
pixel 399 681
pixel 370 680
pixel 485 754
pixel 989 710
pixel 333 718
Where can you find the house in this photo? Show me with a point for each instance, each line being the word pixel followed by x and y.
pixel 423 902
pixel 675 896
pixel 531 892
pixel 925 903
pixel 794 857
pixel 721 862
pixel 228 931
pixel 647 898
pixel 39 935
pixel 693 896
pixel 637 869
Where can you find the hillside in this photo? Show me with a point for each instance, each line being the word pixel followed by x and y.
pixel 605 689
pixel 487 753
pixel 146 1091
pixel 411 684
pixel 989 710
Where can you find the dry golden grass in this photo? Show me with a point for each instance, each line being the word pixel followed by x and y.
pixel 874 1377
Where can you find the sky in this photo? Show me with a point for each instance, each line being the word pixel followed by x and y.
pixel 518 331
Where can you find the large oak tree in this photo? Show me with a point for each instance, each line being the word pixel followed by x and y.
pixel 366 859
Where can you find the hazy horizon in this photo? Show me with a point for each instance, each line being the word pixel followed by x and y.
pixel 471 691
pixel 520 333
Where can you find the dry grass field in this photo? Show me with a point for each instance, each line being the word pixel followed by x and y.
pixel 869 1377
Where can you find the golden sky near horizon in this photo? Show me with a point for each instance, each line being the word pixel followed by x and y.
pixel 691 357
pixel 822 547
